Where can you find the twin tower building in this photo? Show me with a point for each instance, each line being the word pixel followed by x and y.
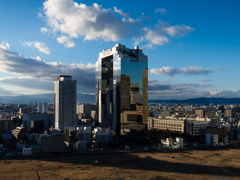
pixel 121 90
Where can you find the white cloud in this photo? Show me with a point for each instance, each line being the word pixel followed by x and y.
pixel 40 15
pixel 148 46
pixel 119 11
pixel 155 37
pixel 68 43
pixel 73 20
pixel 44 30
pixel 41 47
pixel 4 45
pixel 190 70
pixel 161 11
pixel 37 72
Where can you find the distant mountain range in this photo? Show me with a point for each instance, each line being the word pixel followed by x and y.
pixel 43 98
pixel 202 100
pixel 86 98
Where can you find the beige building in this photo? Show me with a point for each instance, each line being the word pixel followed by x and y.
pixel 200 113
pixel 175 125
pixel 228 113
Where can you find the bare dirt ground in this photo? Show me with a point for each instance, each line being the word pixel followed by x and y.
pixel 222 164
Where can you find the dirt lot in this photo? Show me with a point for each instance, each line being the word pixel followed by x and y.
pixel 196 164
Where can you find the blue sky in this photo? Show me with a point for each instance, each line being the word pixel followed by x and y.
pixel 193 46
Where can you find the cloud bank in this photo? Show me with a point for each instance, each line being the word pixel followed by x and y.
pixel 39 74
pixel 77 20
pixel 190 70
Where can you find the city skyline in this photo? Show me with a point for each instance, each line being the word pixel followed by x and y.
pixel 191 48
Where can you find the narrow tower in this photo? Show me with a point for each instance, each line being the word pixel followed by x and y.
pixel 65 102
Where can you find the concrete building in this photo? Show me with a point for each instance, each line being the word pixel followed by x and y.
pixel 81 145
pixel 86 108
pixel 211 139
pixel 85 134
pixel 43 107
pixel 65 90
pixel 6 125
pixel 26 151
pixel 101 135
pixel 18 134
pixel 164 114
pixel 196 128
pixel 37 123
pixel 200 113
pixel 174 125
pixel 52 143
pixel 221 131
pixel 170 143
pixel 228 113
pixel 24 110
pixel 120 73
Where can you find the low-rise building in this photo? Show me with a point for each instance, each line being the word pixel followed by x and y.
pixel 175 125
pixel 221 131
pixel 211 139
pixel 37 122
pixel 6 125
pixel 80 145
pixel 52 143
pixel 196 128
pixel 26 151
pixel 172 143
pixel 101 135
pixel 18 134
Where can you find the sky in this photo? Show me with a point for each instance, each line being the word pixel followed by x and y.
pixel 193 47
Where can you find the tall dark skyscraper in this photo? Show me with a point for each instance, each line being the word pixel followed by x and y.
pixel 121 87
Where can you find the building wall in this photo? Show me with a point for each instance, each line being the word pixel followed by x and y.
pixel 196 128
pixel 65 102
pixel 43 107
pixel 168 125
pixel 29 119
pixel 200 113
pixel 6 125
pixel 112 92
pixel 228 113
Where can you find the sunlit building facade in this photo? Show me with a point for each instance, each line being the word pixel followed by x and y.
pixel 121 87
pixel 65 92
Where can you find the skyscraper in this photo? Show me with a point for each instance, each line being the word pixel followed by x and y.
pixel 65 102
pixel 121 86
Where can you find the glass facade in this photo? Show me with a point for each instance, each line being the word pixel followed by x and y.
pixel 122 87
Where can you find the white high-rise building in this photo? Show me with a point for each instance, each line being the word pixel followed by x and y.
pixel 65 101
pixel 42 107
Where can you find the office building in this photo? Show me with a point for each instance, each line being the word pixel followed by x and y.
pixel 195 127
pixel 221 131
pixel 200 113
pixel 6 125
pixel 228 113
pixel 36 122
pixel 86 108
pixel 43 107
pixel 52 143
pixel 65 102
pixel 174 125
pixel 121 85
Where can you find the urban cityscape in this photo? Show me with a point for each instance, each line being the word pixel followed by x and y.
pixel 123 115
